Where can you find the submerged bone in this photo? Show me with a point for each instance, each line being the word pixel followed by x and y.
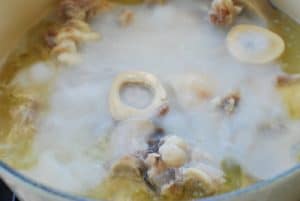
pixel 163 173
pixel 175 140
pixel 128 166
pixel 197 181
pixel 191 183
pixel 172 155
pixel 174 151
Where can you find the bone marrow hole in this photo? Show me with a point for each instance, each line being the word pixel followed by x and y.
pixel 136 95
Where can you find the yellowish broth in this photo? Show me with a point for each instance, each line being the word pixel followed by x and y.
pixel 120 188
pixel 15 144
pixel 15 140
pixel 289 30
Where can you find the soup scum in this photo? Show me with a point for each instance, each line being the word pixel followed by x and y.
pixel 150 100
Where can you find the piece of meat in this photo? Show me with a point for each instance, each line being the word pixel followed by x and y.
pixel 229 103
pixel 224 12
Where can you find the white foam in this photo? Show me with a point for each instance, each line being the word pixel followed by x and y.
pixel 37 74
pixel 169 41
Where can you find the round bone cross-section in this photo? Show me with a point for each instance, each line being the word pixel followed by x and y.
pixel 253 44
pixel 122 111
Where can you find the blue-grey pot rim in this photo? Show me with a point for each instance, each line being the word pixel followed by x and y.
pixel 68 196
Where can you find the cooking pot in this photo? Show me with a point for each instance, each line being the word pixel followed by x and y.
pixel 19 15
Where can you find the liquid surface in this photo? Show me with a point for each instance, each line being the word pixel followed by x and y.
pixel 289 30
pixel 176 43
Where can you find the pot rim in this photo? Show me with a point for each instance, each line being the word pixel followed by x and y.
pixel 71 197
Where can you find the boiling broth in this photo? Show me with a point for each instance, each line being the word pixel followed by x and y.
pixel 54 144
